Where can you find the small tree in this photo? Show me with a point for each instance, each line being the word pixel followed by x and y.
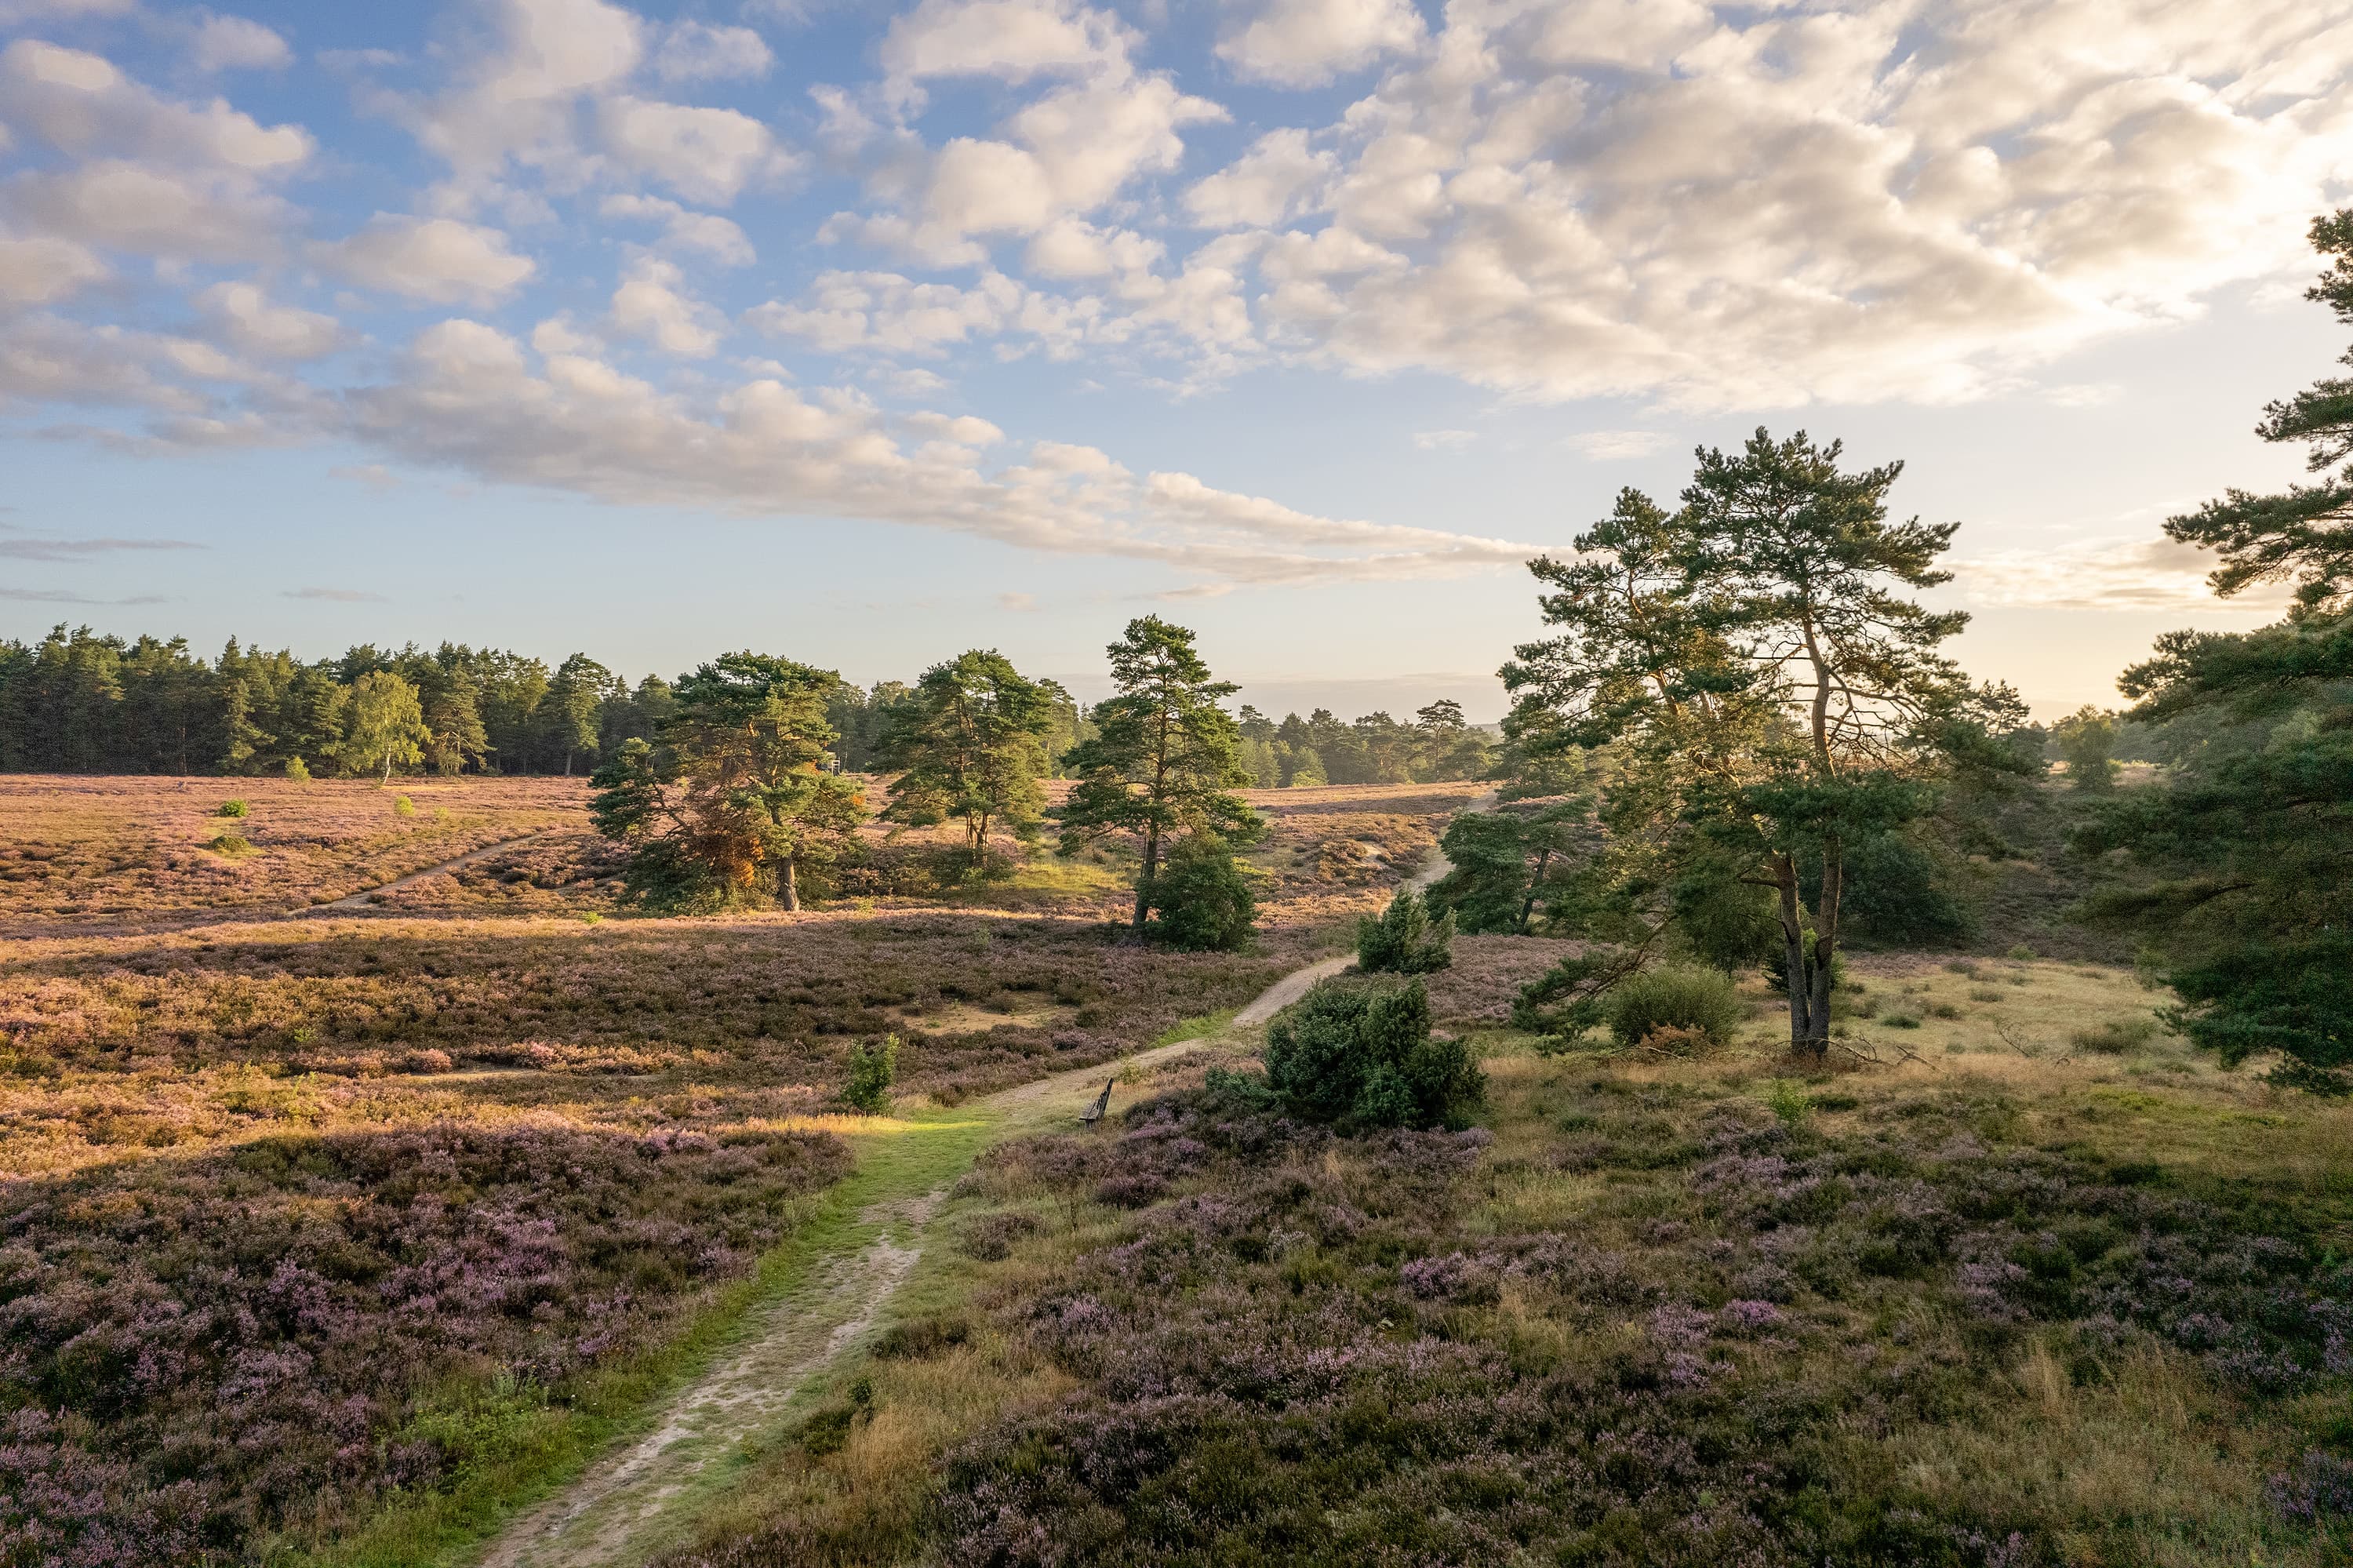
pixel 1404 940
pixel 1201 901
pixel 1363 1055
pixel 1164 755
pixel 384 725
pixel 872 1071
pixel 731 798
pixel 2086 739
pixel 971 740
pixel 297 772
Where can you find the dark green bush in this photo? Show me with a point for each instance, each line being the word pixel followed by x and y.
pixel 1894 894
pixel 230 808
pixel 1404 941
pixel 1201 901
pixel 1689 998
pixel 872 1071
pixel 1363 1055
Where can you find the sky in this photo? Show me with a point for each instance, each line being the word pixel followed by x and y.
pixel 866 334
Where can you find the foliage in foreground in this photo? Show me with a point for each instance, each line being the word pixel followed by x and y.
pixel 1363 1055
pixel 2245 891
pixel 1759 1342
pixel 201 1352
pixel 1403 939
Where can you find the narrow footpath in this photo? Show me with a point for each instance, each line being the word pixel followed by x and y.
pixel 834 1291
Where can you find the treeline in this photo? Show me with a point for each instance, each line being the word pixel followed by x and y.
pixel 79 701
pixel 1440 744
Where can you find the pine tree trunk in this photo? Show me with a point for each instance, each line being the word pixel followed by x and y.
pixel 1799 983
pixel 789 894
pixel 1528 909
pixel 1151 869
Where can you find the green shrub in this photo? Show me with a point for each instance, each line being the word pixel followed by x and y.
pixel 2117 1036
pixel 1902 1021
pixel 1404 941
pixel 1201 901
pixel 1688 998
pixel 1362 1054
pixel 296 772
pixel 1790 1103
pixel 402 806
pixel 872 1071
pixel 2022 953
pixel 229 809
pixel 231 845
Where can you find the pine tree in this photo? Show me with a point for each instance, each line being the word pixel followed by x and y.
pixel 732 797
pixel 1769 697
pixel 2245 853
pixel 1163 758
pixel 970 743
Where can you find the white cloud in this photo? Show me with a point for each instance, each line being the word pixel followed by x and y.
pixel 1063 154
pixel 518 102
pixel 234 43
pixel 40 271
pixel 1263 186
pixel 652 303
pixel 245 317
pixel 717 237
pixel 435 259
pixel 467 397
pixel 80 103
pixel 14 12
pixel 705 154
pixel 1445 441
pixel 697 52
pixel 120 204
pixel 891 314
pixel 142 173
pixel 1306 43
pixel 1610 445
pixel 2141 573
pixel 1012 40
pixel 1768 207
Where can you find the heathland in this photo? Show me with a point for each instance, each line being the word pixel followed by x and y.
pixel 342 1224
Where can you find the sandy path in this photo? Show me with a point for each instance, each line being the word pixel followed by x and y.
pixel 359 900
pixel 607 1517
pixel 615 1515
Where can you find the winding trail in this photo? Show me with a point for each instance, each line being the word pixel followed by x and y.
pixel 642 1496
pixel 359 900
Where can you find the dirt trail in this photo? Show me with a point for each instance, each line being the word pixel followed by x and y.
pixel 621 1510
pixel 359 900
pixel 613 1514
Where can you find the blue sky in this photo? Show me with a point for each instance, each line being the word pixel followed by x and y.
pixel 867 335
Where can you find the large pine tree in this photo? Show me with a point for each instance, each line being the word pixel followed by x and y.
pixel 2248 851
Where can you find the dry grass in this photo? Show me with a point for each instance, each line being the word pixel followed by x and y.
pixel 76 851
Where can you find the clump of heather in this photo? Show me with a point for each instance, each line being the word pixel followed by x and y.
pixel 1301 1347
pixel 197 1352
